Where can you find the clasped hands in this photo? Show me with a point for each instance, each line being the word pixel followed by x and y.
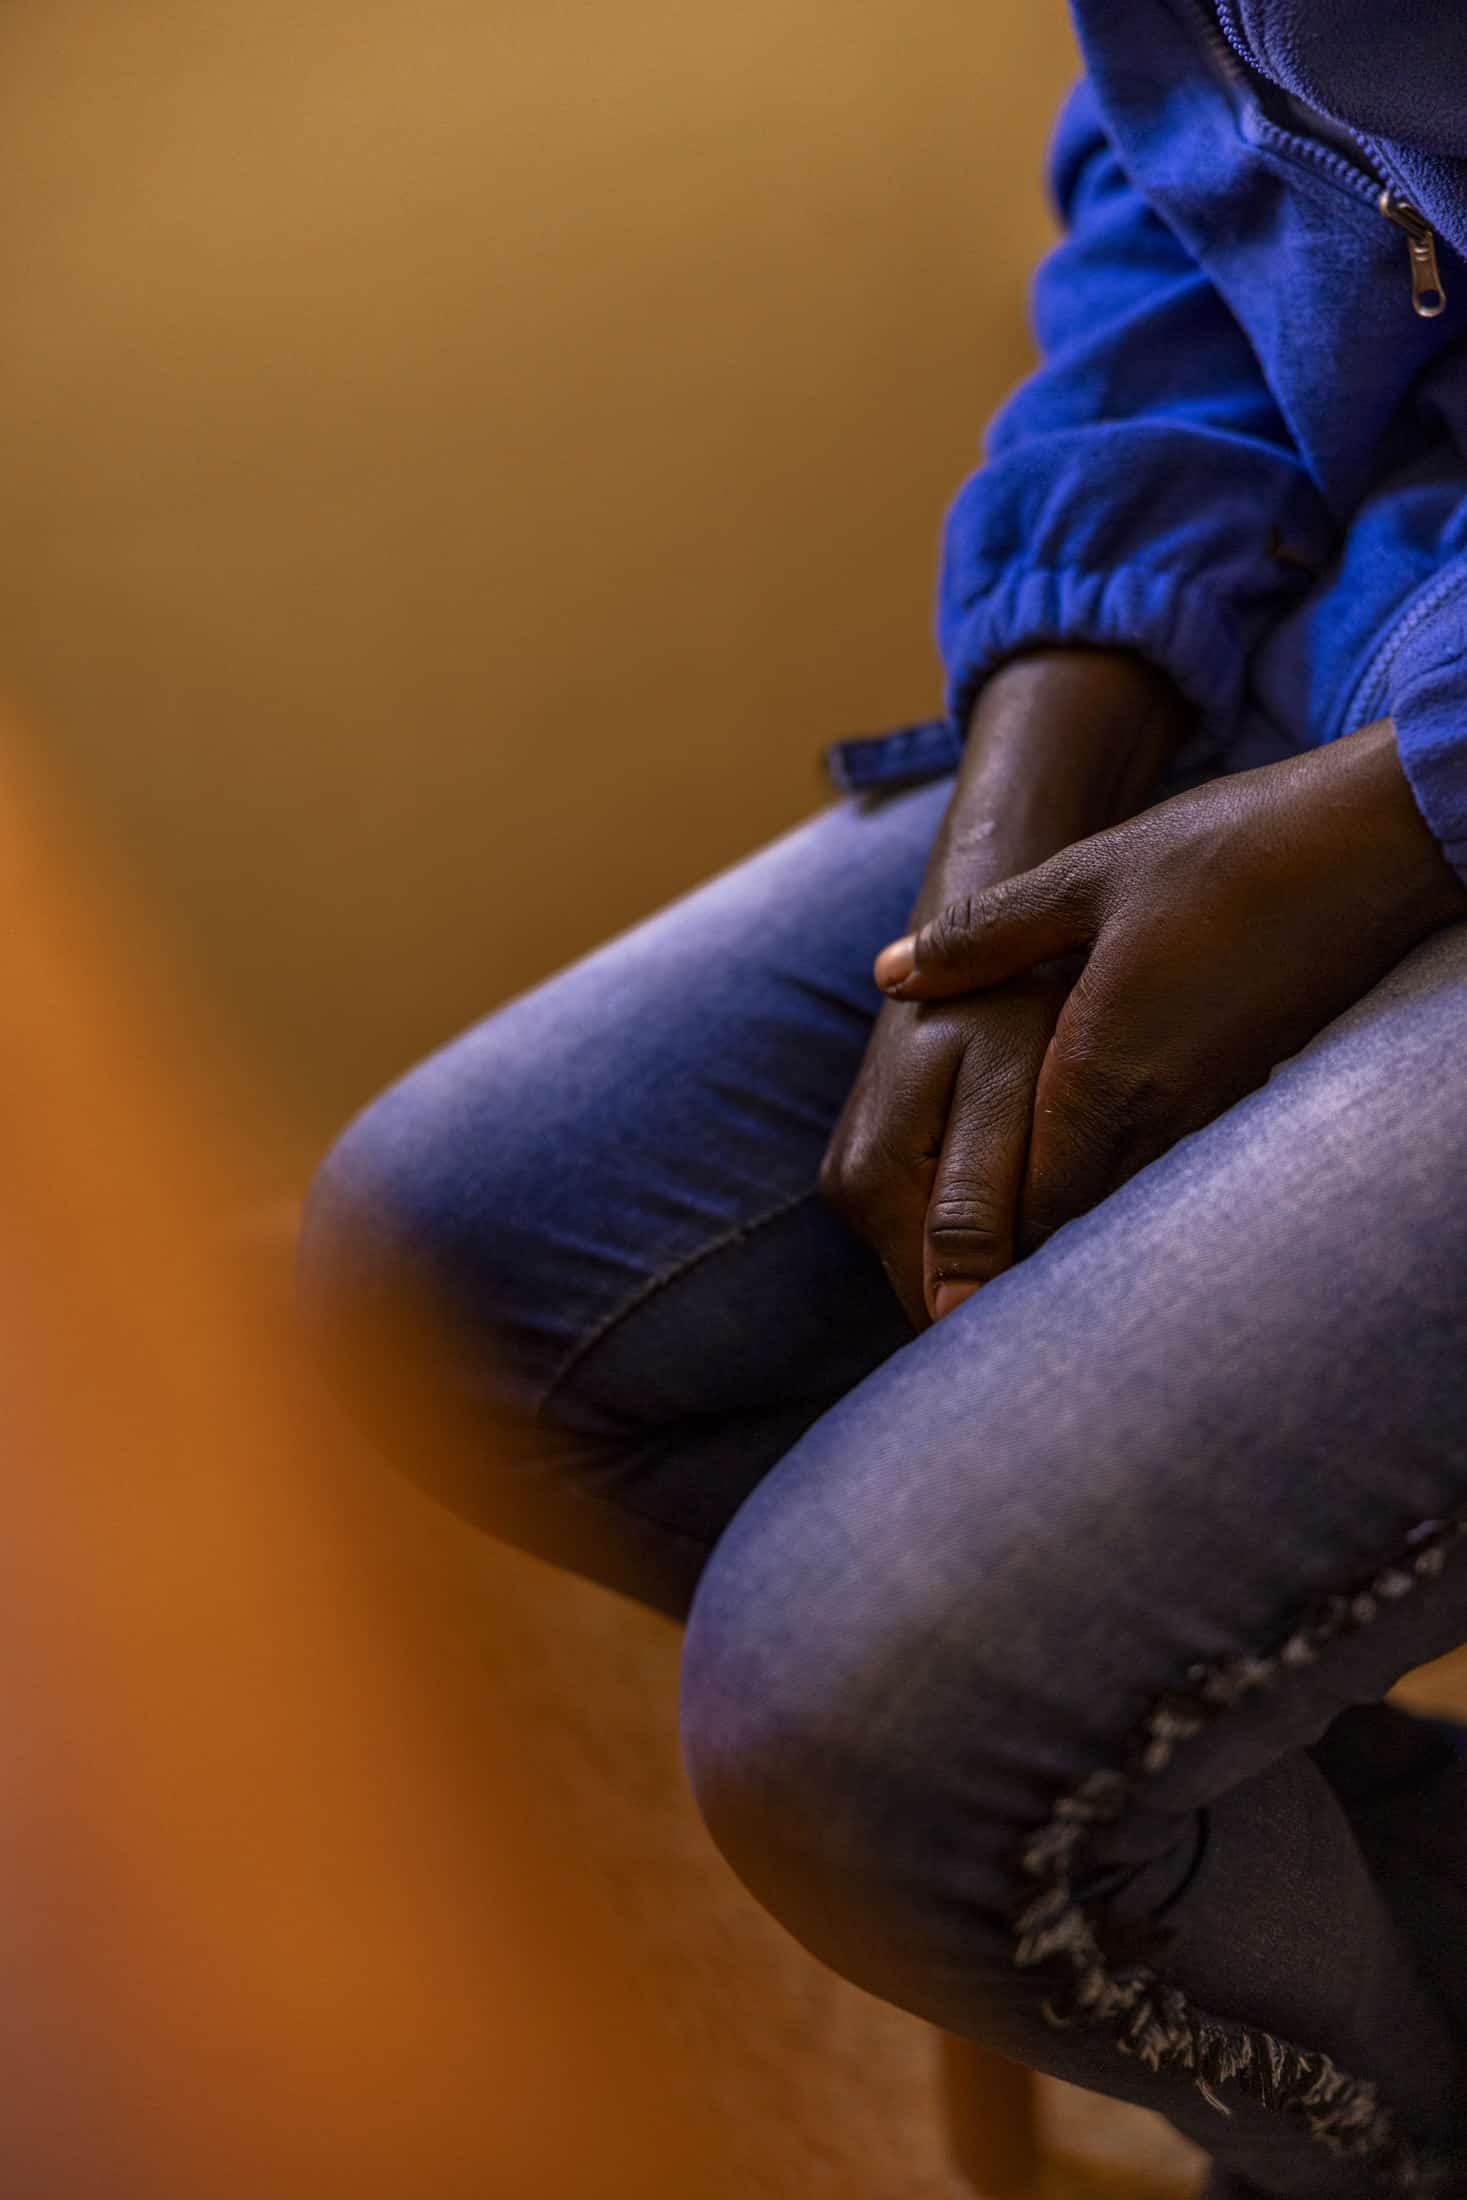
pixel 1087 981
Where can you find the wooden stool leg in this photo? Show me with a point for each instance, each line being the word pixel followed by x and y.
pixel 990 2107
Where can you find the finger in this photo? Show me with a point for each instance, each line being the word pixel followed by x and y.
pixel 969 1231
pixel 1097 1119
pixel 892 1226
pixel 883 1153
pixel 898 1245
pixel 986 937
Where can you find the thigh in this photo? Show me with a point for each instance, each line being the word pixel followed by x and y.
pixel 1150 1509
pixel 611 1181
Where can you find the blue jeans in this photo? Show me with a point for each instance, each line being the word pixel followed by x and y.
pixel 1033 1665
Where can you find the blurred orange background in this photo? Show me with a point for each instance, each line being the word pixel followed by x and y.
pixel 292 1906
pixel 461 460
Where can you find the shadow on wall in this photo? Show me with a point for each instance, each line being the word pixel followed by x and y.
pixel 461 460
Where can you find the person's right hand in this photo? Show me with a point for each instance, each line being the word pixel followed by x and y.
pixel 927 1159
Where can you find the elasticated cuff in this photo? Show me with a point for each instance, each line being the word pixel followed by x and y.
pixel 1428 702
pixel 1178 624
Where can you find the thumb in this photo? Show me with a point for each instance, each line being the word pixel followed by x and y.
pixel 984 938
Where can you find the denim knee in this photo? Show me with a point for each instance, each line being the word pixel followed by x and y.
pixel 363 1217
pixel 378 1218
pixel 430 1198
pixel 824 1780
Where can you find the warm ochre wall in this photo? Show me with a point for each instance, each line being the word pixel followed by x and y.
pixel 459 458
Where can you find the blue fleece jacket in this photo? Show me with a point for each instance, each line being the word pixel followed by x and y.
pixel 1245 451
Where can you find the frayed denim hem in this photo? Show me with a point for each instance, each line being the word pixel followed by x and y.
pixel 1153 2020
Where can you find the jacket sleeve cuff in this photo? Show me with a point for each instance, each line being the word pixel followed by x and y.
pixel 1429 705
pixel 1180 625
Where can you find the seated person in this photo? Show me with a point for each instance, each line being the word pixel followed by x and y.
pixel 1037 1376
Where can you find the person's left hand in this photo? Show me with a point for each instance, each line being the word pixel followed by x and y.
pixel 1222 929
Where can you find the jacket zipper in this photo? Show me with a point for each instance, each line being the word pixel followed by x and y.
pixel 1428 298
pixel 1371 690
pixel 1368 179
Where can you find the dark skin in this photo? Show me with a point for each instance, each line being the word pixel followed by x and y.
pixel 927 1158
pixel 1088 980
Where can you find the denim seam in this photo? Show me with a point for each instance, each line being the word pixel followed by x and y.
pixel 620 1511
pixel 1151 2018
pixel 651 1285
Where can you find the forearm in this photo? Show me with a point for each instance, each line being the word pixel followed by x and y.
pixel 1061 743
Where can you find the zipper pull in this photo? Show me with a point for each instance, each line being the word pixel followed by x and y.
pixel 1427 295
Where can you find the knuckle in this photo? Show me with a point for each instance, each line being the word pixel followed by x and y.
pixel 953 927
pixel 838 1185
pixel 851 1181
pixel 830 1180
pixel 961 1252
pixel 1078 1068
pixel 965 1236
pixel 1089 1070
pixel 1077 872
pixel 949 931
pixel 998 1090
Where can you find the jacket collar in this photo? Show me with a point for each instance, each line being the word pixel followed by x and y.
pixel 1396 75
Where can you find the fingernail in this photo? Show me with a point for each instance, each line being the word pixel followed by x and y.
pixel 949 1295
pixel 896 962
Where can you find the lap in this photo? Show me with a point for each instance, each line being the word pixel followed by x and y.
pixel 614 1177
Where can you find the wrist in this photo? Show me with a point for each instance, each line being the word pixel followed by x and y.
pixel 1392 843
pixel 1094 726
pixel 1059 744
